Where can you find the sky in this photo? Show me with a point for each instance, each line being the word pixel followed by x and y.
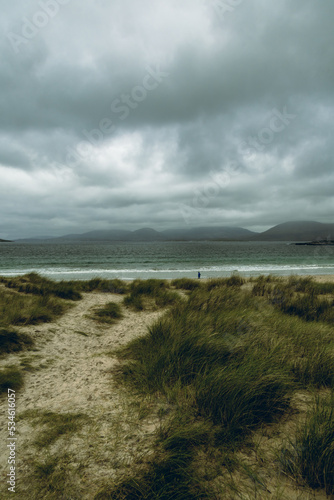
pixel 133 113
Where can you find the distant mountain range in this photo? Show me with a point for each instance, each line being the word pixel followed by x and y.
pixel 288 231
pixel 148 234
pixel 298 231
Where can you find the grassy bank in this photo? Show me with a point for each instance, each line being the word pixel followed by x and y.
pixel 150 293
pixel 28 300
pixel 32 299
pixel 229 362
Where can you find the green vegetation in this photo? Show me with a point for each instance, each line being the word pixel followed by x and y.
pixel 27 300
pixel 52 474
pixel 228 362
pixel 185 283
pixel 144 293
pixel 55 425
pixel 101 285
pixel 19 309
pixel 53 477
pixel 32 299
pixel 166 298
pixel 218 373
pixel 299 297
pixel 170 475
pixel 109 313
pixel 11 341
pixel 234 281
pixel 133 301
pixel 35 284
pixel 10 378
pixel 310 455
pixel 149 287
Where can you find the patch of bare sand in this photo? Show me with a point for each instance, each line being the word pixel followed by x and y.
pixel 324 278
pixel 74 376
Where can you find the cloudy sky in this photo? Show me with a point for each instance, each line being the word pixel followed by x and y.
pixel 133 113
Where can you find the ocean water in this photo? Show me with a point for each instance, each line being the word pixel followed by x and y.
pixel 163 260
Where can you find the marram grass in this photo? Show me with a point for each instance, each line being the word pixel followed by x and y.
pixel 228 361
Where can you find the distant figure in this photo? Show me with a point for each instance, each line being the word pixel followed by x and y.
pixel 198 275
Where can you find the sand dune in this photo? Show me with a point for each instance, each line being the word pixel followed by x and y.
pixel 74 376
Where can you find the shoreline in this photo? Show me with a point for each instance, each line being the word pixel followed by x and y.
pixel 321 278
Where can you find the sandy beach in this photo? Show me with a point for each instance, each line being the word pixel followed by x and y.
pixel 323 278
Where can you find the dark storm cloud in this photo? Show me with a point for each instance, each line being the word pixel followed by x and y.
pixel 124 114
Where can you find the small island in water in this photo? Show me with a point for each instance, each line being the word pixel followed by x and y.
pixel 315 243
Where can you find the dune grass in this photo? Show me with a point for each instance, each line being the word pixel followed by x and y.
pixel 185 283
pixel 108 314
pixel 299 297
pixel 12 341
pixel 310 454
pixel 148 293
pixel 35 284
pixel 27 300
pixel 53 476
pixel 53 425
pixel 134 302
pixel 10 378
pixel 20 309
pixel 228 361
pixel 233 281
pixel 101 285
pixel 32 299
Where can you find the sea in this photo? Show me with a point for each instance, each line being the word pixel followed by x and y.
pixel 167 260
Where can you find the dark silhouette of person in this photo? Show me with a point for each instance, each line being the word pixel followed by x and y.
pixel 198 275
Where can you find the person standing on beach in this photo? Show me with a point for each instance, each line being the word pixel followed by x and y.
pixel 198 275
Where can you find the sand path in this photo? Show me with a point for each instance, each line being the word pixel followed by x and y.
pixel 74 375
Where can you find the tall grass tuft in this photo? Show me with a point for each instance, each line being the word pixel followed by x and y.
pixel 310 455
pixel 35 284
pixel 185 283
pixel 135 302
pixel 148 287
pixel 298 297
pixel 102 285
pixel 241 396
pixel 19 309
pixel 10 378
pixel 156 291
pixel 109 313
pixel 12 341
pixel 201 343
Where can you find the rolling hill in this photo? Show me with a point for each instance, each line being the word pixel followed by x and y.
pixel 297 231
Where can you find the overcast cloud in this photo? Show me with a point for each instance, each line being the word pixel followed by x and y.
pixel 129 114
